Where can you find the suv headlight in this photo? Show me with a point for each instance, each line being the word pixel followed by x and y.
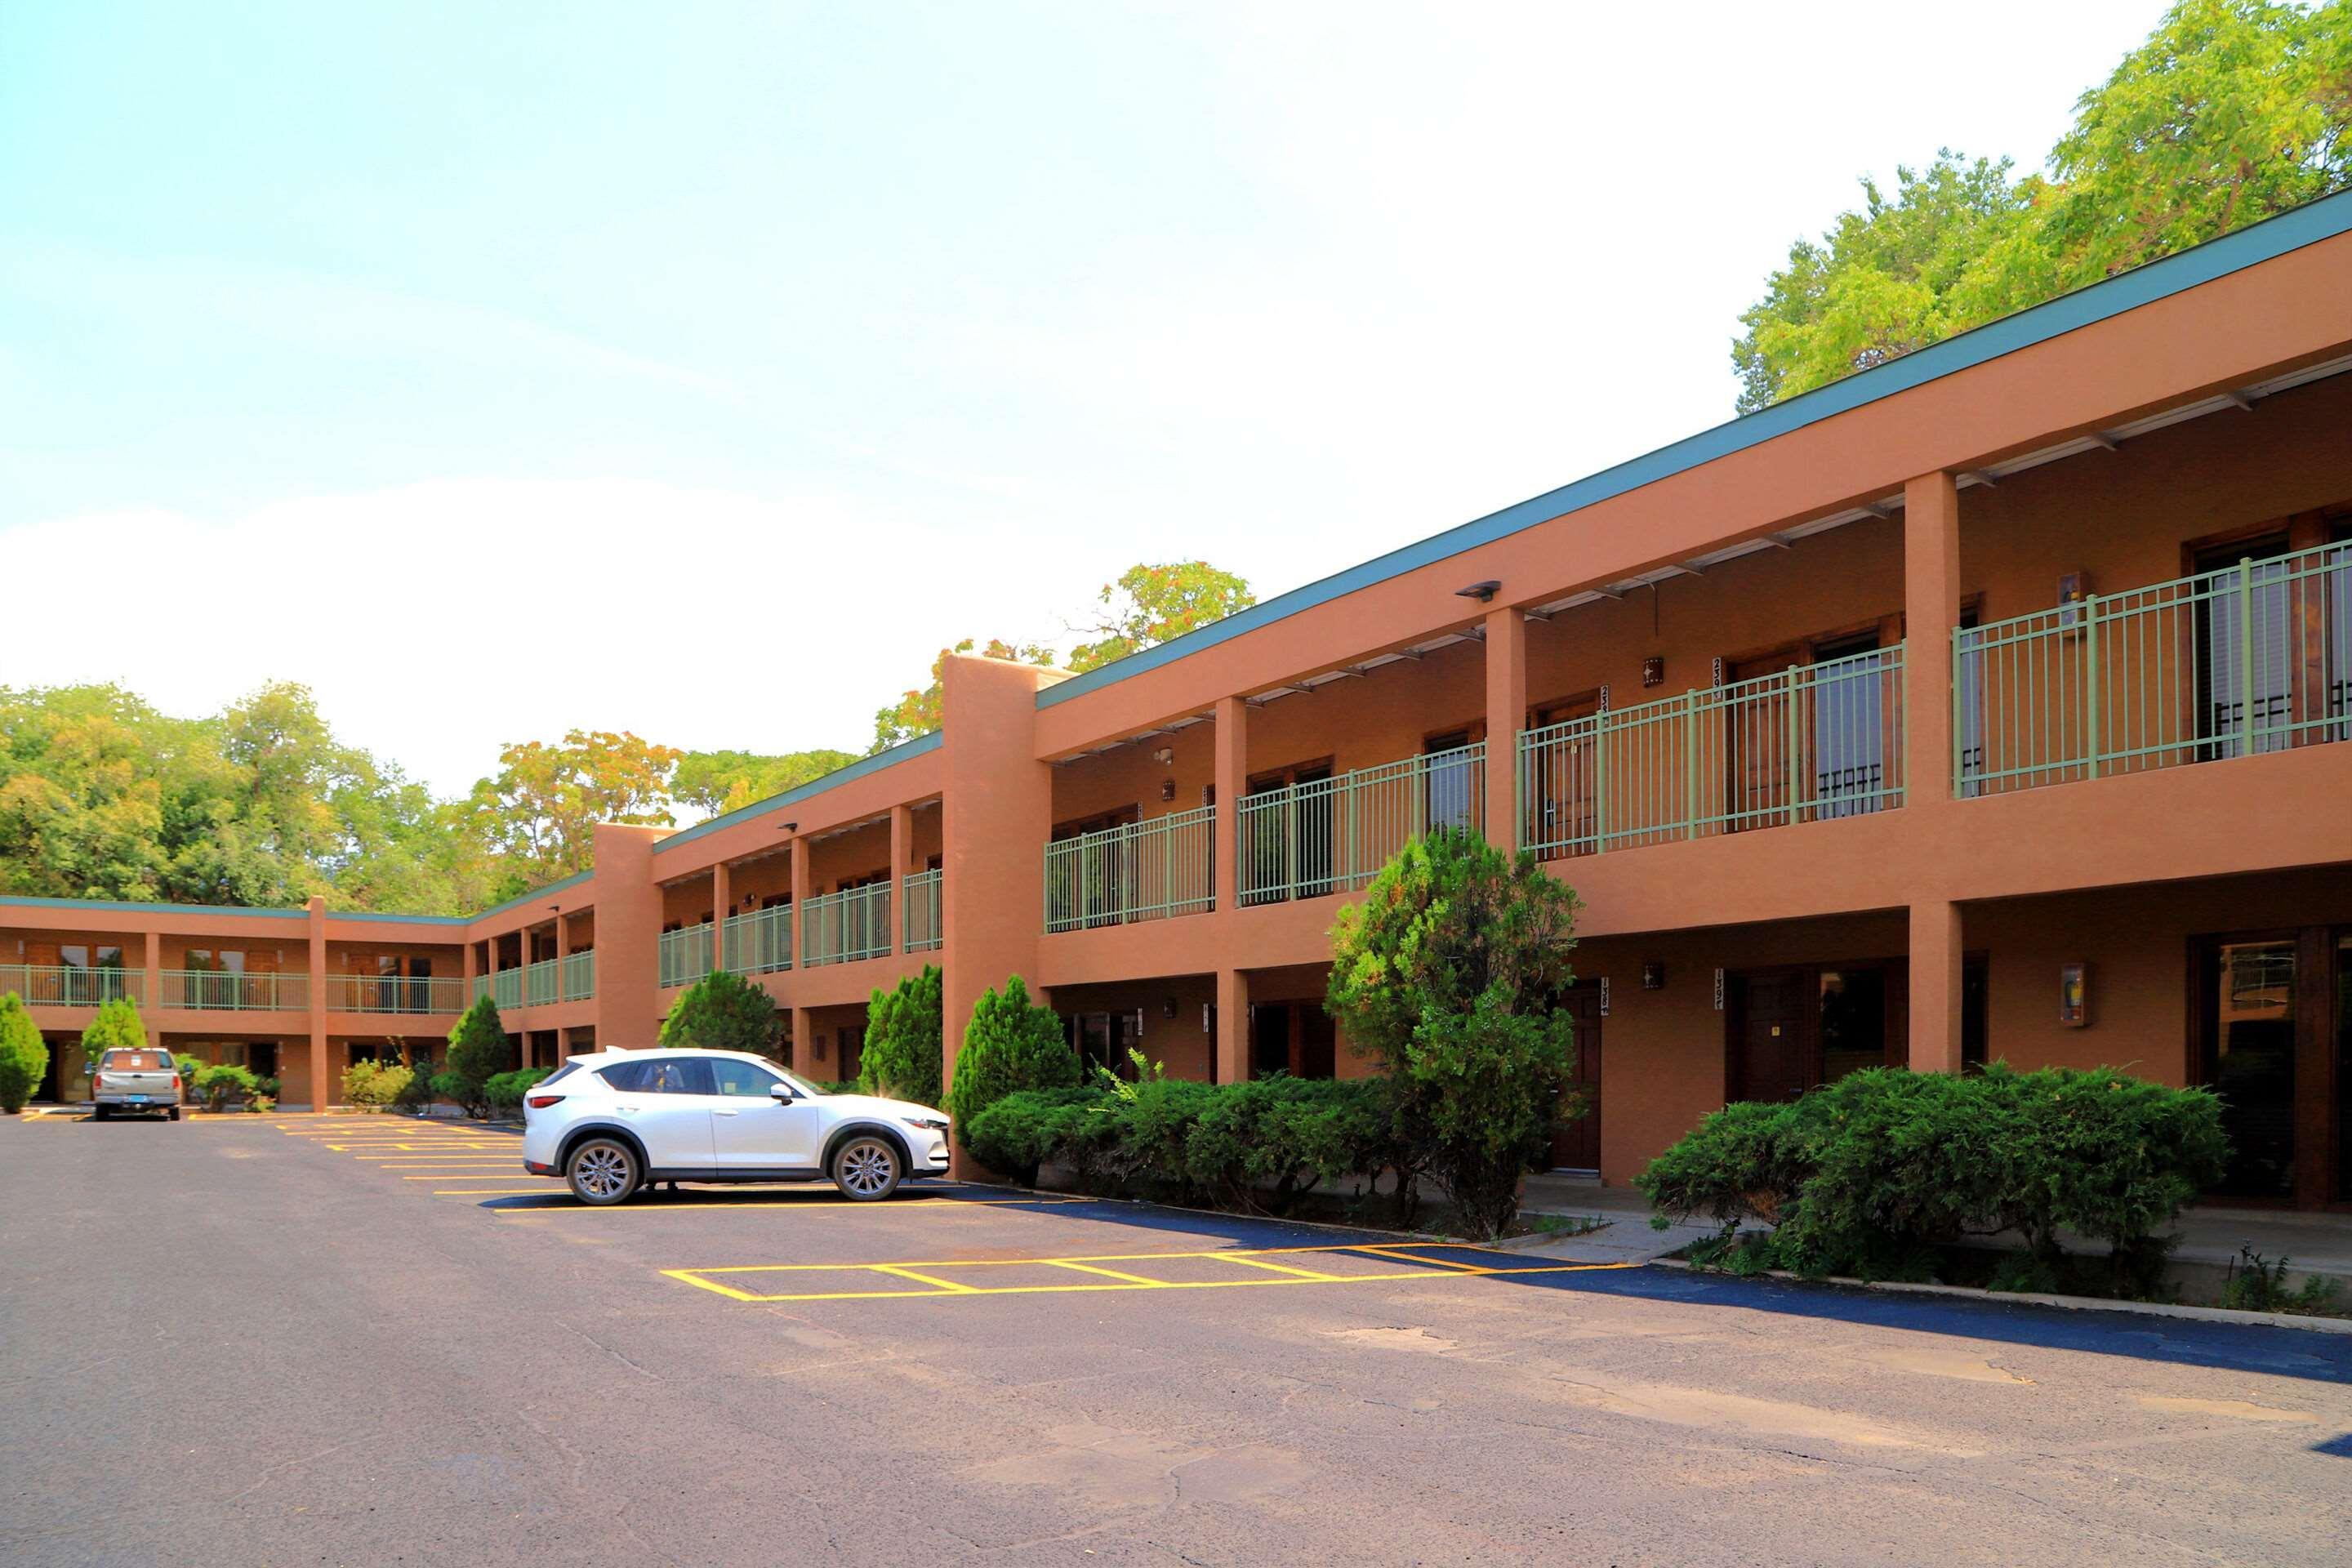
pixel 928 1123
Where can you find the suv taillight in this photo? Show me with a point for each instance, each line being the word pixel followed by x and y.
pixel 542 1102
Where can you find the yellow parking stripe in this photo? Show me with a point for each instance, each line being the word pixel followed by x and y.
pixel 720 1205
pixel 1405 1252
pixel 1281 1268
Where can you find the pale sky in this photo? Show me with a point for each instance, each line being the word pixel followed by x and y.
pixel 700 370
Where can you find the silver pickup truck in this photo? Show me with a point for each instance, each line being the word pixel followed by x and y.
pixel 135 1080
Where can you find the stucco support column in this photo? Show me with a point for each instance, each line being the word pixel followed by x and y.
pixel 902 839
pixel 151 993
pixel 1232 782
pixel 1931 609
pixel 803 1043
pixel 1506 710
pixel 628 904
pixel 1232 1026
pixel 470 970
pixel 722 904
pixel 322 1093
pixel 1936 987
pixel 800 897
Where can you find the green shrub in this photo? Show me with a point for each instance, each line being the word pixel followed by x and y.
pixel 188 1066
pixel 504 1093
pixel 1256 1147
pixel 1449 972
pixel 115 1025
pixel 1872 1173
pixel 723 1012
pixel 23 1055
pixel 478 1051
pixel 2258 1285
pixel 903 1030
pixel 415 1096
pixel 262 1104
pixel 221 1080
pixel 1009 1044
pixel 375 1083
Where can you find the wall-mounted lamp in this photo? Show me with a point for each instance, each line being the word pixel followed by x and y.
pixel 1653 976
pixel 1482 592
pixel 1164 755
pixel 1168 789
pixel 1654 670
pixel 2074 995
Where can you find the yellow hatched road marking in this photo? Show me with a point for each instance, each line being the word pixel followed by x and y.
pixel 1406 1252
pixel 479 1191
pixel 1281 1268
pixel 719 1205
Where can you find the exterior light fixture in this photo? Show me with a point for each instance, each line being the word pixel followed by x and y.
pixel 1654 670
pixel 786 826
pixel 1482 592
pixel 1653 976
pixel 1168 789
pixel 1164 755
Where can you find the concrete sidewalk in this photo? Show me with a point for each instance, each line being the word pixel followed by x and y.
pixel 2211 1235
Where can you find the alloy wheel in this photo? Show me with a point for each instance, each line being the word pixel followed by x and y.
pixel 867 1169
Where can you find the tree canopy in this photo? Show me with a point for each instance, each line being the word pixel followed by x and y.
pixel 538 812
pixel 2231 110
pixel 716 782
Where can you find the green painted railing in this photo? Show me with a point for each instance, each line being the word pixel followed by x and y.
pixel 760 942
pixel 505 988
pixel 923 930
pixel 1147 870
pixel 843 927
pixel 579 975
pixel 2256 656
pixel 71 985
pixel 221 990
pixel 395 993
pixel 685 955
pixel 539 982
pixel 1812 742
pixel 1330 836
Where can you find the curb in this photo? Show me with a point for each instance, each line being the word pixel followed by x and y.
pixel 2317 1325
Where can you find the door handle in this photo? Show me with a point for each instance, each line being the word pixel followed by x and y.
pixel 722 1114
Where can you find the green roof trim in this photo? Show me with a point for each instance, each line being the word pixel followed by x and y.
pixel 2249 247
pixel 906 751
pixel 119 904
pixel 520 900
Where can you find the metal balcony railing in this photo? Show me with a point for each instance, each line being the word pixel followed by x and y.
pixel 2253 657
pixel 760 942
pixel 539 982
pixel 230 991
pixel 843 927
pixel 395 993
pixel 1330 836
pixel 923 930
pixel 1812 742
pixel 685 955
pixel 579 983
pixel 504 988
pixel 1144 871
pixel 71 985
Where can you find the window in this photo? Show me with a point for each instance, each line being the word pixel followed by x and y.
pixel 135 1061
pixel 2250 611
pixel 682 1075
pixel 629 1078
pixel 741 1079
pixel 1452 782
pixel 2248 1046
pixel 1853 1021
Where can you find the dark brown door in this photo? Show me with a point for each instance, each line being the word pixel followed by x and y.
pixel 1769 1045
pixel 1269 1039
pixel 1319 1042
pixel 1576 1144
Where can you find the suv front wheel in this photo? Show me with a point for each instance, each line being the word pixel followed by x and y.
pixel 868 1168
pixel 602 1172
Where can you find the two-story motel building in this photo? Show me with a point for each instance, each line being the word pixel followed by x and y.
pixel 1987 703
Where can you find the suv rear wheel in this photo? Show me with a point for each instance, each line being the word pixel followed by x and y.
pixel 868 1168
pixel 602 1172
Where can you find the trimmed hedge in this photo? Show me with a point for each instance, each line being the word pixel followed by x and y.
pixel 1873 1173
pixel 1256 1146
pixel 504 1091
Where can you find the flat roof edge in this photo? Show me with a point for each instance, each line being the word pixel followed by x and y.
pixel 250 910
pixel 520 900
pixel 906 751
pixel 2275 237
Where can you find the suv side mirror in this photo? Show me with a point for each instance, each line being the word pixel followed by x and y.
pixel 782 1092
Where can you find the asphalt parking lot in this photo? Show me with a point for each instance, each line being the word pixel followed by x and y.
pixel 372 1341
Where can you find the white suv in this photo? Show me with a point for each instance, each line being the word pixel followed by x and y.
pixel 614 1121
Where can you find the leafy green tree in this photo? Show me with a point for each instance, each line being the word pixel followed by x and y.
pixel 2230 111
pixel 538 812
pixel 1149 605
pixel 480 1050
pixel 23 1055
pixel 1009 1044
pixel 1448 974
pixel 716 782
pixel 903 1035
pixel 115 1025
pixel 723 1012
